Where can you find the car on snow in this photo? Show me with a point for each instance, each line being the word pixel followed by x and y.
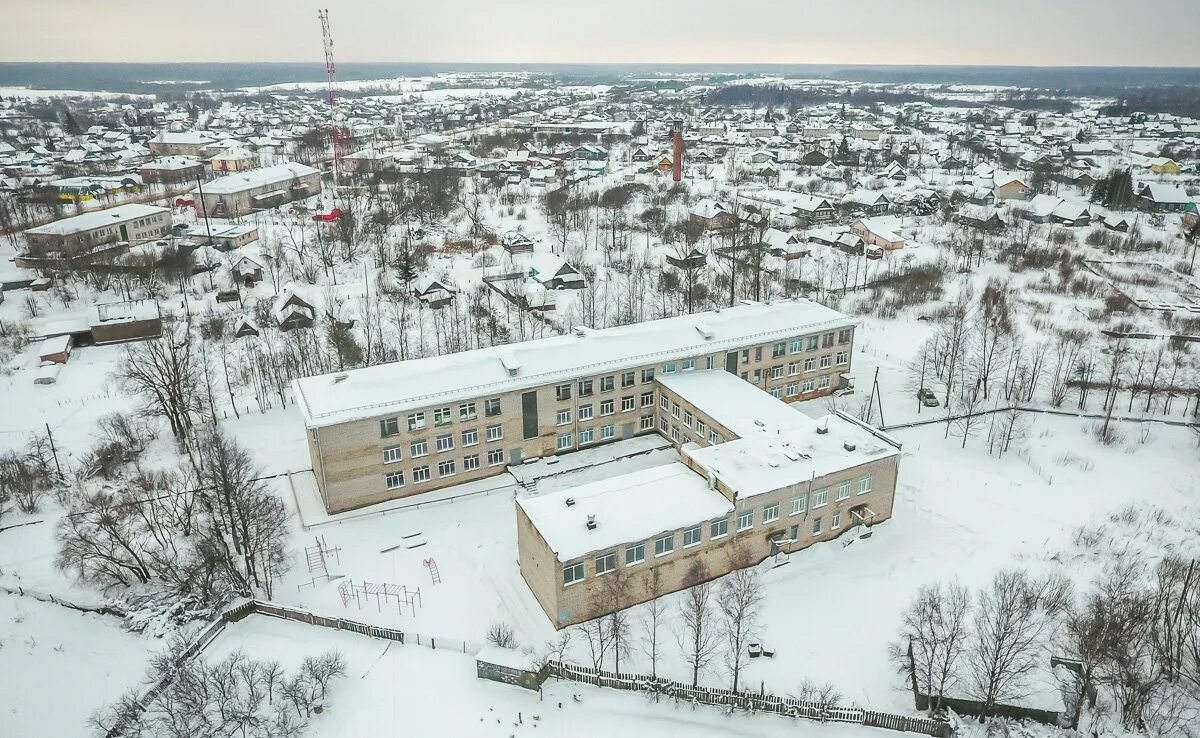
pixel 926 397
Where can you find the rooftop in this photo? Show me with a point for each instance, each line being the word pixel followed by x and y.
pixel 734 403
pixel 97 219
pixel 627 508
pixel 770 459
pixel 254 178
pixel 392 388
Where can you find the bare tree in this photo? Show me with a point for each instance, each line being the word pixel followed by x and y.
pixel 502 635
pixel 652 615
pixel 933 639
pixel 699 638
pixel 739 601
pixel 165 372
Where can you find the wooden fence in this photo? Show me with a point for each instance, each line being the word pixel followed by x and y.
pixel 749 701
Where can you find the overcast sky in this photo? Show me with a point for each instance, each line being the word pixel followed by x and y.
pixel 993 32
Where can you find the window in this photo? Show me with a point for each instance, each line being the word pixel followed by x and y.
pixel 708 362
pixel 771 513
pixel 628 403
pixel 446 468
pixel 823 382
pixel 416 421
pixel 777 393
pixel 843 357
pixel 585 388
pixel 572 574
pixel 814 343
pixel 713 438
pixel 607 432
pixel 669 368
pixel 844 335
pixel 562 417
pixel 745 356
pixel 647 422
pixel 565 441
pixel 758 353
pixel 495 457
pixel 605 563
pixel 441 416
pixel 701 427
pixel 796 346
pixel 689 364
pixel 628 379
pixel 647 375
pixel 808 386
pixel 420 474
pixel 586 436
pixel 777 372
pixel 816 526
pixel 843 490
pixel 793 368
pixel 585 412
pixel 691 536
pixel 664 545
pixel 675 433
pixel 663 402
pixel 835 521
pixel 810 364
pixel 495 432
pixel 470 437
pixel 389 427
pixel 778 349
pixel 391 454
pixel 718 529
pixel 827 340
pixel 466 411
pixel 606 383
pixel 675 409
pixel 647 399
pixel 471 463
pixel 606 407
pixel 562 392
pixel 687 418
pixel 635 554
pixel 826 361
pixel 757 376
pixel 820 498
pixel 864 485
pixel 797 505
pixel 662 424
pixel 395 480
pixel 445 443
pixel 793 389
pixel 491 407
pixel 745 521
pixel 418 448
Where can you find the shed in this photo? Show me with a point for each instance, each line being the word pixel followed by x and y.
pixel 47 374
pixel 56 349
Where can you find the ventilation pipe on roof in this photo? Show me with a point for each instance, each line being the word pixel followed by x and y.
pixel 591 522
pixel 822 429
pixel 570 502
pixel 848 446
pixel 712 480
pixel 340 377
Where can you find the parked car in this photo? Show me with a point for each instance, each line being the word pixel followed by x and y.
pixel 925 395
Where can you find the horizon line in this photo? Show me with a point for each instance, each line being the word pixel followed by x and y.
pixel 851 65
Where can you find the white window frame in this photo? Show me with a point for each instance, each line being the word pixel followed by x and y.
pixel 564 441
pixel 586 435
pixel 745 520
pixel 422 444
pixel 397 475
pixel 562 417
pixel 575 572
pixel 718 529
pixel 608 432
pixel 421 471
pixel 469 460
pixel 771 513
pixel 610 561
pixel 470 437
pixel 820 498
pixel 798 505
pixel 499 456
pixel 669 540
pixel 635 554
pixel 444 442
pixel 445 464
pixel 864 485
pixel 696 533
pixel 585 412
pixel 392 454
pixel 495 432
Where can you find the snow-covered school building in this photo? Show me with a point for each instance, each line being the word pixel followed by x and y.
pixel 406 428
pixel 756 479
pixel 237 194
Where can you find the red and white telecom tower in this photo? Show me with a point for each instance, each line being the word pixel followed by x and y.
pixel 677 150
pixel 337 130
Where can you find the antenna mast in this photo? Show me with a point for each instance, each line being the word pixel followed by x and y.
pixel 338 132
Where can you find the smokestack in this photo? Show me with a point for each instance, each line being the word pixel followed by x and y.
pixel 677 154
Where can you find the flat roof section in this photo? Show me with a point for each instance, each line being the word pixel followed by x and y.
pixel 385 389
pixel 734 403
pixel 628 508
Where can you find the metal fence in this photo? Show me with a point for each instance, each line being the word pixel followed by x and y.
pixel 749 701
pixel 258 607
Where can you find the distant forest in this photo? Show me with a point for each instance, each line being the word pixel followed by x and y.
pixel 796 97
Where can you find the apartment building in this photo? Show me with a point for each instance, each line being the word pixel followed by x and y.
pixel 756 479
pixel 401 429
pixel 237 194
pixel 86 235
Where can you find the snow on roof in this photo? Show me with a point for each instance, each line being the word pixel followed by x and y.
pixel 183 137
pixel 1166 193
pixel 883 226
pixel 55 345
pixel 1000 179
pixel 628 508
pixel 126 311
pixel 256 178
pixel 770 459
pixel 734 403
pixel 97 219
pixel 172 163
pixel 391 388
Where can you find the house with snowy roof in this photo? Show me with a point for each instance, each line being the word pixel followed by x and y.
pixel 234 195
pixel 1164 198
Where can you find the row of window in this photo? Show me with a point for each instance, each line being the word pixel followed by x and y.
pixel 717 529
pixel 420 446
pixel 445 468
pixel 607 407
pixel 809 365
pixel 586 387
pixel 608 432
pixel 442 416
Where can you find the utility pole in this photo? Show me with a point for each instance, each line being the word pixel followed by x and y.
pixel 53 450
pixel 204 209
